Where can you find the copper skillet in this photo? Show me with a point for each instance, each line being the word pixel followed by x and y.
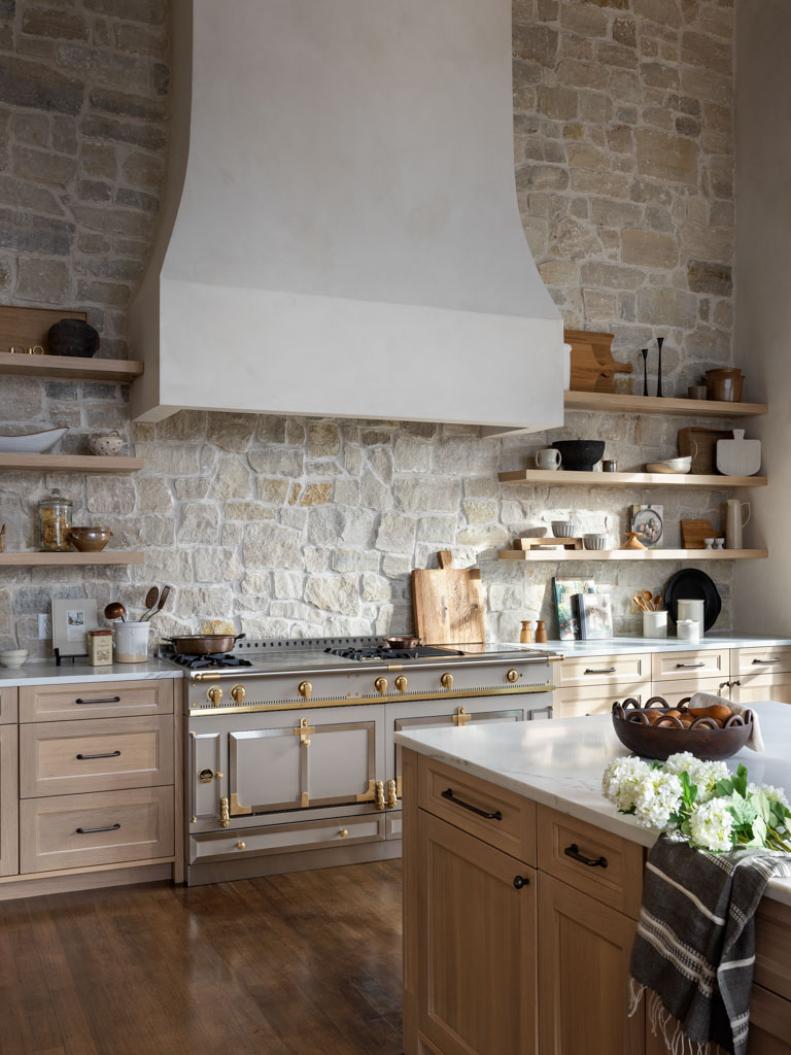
pixel 204 644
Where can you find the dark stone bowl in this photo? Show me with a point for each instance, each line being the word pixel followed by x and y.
pixel 73 337
pixel 580 455
pixel 704 739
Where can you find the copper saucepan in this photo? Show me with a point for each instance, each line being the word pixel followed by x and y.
pixel 204 644
pixel 402 642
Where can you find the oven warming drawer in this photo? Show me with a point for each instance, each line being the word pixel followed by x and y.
pixel 282 838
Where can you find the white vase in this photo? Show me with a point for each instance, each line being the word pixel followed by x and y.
pixel 737 517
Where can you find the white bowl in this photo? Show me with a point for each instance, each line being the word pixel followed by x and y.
pixel 105 444
pixel 14 658
pixel 33 443
pixel 671 465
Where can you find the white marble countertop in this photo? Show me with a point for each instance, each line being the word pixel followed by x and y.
pixel 623 645
pixel 559 763
pixel 40 672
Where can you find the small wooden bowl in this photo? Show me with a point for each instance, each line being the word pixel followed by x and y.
pixel 89 539
pixel 704 738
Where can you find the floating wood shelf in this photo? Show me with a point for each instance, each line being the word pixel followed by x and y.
pixel 566 478
pixel 71 367
pixel 623 403
pixel 69 463
pixel 34 559
pixel 551 556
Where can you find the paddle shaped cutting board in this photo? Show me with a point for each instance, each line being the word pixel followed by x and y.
pixel 447 603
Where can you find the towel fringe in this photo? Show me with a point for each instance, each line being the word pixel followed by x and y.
pixel 663 1023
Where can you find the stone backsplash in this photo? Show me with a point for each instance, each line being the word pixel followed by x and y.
pixel 624 173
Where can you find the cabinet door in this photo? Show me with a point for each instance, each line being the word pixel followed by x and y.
pixel 584 951
pixel 770 1024
pixel 9 802
pixel 597 699
pixel 476 945
pixel 750 688
pixel 676 691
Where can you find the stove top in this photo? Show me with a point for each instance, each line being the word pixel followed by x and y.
pixel 388 653
pixel 211 661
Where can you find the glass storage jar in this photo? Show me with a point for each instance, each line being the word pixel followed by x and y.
pixel 54 523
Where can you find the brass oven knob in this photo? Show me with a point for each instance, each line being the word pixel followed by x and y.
pixel 446 681
pixel 215 695
pixel 381 685
pixel 512 675
pixel 238 693
pixel 401 683
pixel 241 845
pixel 305 689
pixel 343 833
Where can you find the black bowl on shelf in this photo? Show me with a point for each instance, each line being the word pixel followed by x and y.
pixel 580 455
pixel 73 337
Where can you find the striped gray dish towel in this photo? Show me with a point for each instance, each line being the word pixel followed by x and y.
pixel 694 952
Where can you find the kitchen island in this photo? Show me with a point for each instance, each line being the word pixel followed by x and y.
pixel 522 889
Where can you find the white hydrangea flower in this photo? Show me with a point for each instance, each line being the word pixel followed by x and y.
pixel 772 793
pixel 622 779
pixel 658 797
pixel 703 774
pixel 711 824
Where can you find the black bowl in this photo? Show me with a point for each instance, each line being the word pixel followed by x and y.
pixel 580 455
pixel 73 337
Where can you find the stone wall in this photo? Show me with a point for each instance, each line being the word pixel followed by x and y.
pixel 292 526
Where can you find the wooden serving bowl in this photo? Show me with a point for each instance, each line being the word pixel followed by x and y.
pixel 668 736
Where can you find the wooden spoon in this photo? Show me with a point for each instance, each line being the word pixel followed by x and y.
pixel 162 601
pixel 115 611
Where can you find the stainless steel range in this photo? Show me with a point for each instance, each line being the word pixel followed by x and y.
pixel 290 758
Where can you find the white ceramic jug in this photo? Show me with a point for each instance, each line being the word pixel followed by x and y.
pixel 548 458
pixel 735 522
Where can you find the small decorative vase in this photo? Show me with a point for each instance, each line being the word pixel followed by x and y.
pixel 633 541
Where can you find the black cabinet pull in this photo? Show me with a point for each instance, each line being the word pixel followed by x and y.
pixel 689 666
pixel 762 662
pixel 448 794
pixel 573 851
pixel 604 670
pixel 106 699
pixel 520 881
pixel 99 754
pixel 102 828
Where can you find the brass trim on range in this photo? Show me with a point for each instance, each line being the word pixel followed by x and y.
pixel 303 731
pixel 358 701
pixel 304 799
pixel 237 809
pixel 369 795
pixel 461 716
pixel 392 795
pixel 380 795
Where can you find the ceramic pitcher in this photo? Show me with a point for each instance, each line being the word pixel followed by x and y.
pixel 737 516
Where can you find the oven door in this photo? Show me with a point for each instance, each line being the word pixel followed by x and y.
pixel 293 760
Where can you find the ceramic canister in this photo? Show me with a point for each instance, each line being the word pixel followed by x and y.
pixel 737 517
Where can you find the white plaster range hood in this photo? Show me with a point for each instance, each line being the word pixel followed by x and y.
pixel 340 233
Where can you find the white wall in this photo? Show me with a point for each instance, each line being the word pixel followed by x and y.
pixel 763 294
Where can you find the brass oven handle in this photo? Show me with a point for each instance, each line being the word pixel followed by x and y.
pixel 379 799
pixel 603 670
pixel 448 794
pixel 106 699
pixel 102 828
pixel 99 754
pixel 392 795
pixel 225 812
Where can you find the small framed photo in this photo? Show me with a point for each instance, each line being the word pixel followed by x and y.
pixel 72 618
pixel 649 523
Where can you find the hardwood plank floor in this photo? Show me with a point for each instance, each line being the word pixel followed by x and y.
pixel 302 964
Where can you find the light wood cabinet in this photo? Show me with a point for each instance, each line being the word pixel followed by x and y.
pixel 612 671
pixel 750 688
pixel 8 705
pixel 772 660
pixel 96 699
pixel 583 964
pixel 705 663
pixel 676 691
pixel 770 1024
pixel 476 945
pixel 9 806
pixel 597 699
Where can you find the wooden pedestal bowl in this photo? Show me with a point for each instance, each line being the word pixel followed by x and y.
pixel 659 737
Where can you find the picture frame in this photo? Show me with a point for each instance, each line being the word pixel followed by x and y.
pixel 566 592
pixel 595 614
pixel 72 618
pixel 649 523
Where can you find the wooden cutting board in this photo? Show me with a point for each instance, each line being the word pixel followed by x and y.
pixel 701 443
pixel 593 368
pixel 693 533
pixel 447 603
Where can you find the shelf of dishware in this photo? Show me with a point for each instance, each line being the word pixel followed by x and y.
pixel 626 403
pixel 66 367
pixel 69 463
pixel 570 478
pixel 36 559
pixel 552 556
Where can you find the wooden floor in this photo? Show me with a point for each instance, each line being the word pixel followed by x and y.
pixel 304 963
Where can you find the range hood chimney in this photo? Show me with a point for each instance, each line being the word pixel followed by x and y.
pixel 340 233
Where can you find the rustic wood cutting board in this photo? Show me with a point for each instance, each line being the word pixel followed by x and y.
pixel 447 603
pixel 24 327
pixel 593 368
pixel 693 532
pixel 701 443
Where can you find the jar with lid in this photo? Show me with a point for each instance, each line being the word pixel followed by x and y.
pixel 54 523
pixel 100 647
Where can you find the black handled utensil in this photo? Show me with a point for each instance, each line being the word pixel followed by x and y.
pixel 644 353
pixel 659 343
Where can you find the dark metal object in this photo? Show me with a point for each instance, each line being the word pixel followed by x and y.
pixel 668 736
pixel 204 644
pixel 391 652
pixel 73 337
pixel 211 661
pixel 104 828
pixel 659 343
pixel 521 881
pixel 104 699
pixel 100 754
pixel 609 466
pixel 448 794
pixel 693 584
pixel 580 455
pixel 602 670
pixel 576 854
pixel 644 353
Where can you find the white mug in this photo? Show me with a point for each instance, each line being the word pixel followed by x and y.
pixel 548 458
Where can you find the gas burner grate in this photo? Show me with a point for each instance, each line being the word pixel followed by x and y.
pixel 211 661
pixel 383 652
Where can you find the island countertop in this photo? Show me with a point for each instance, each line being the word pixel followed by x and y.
pixel 559 764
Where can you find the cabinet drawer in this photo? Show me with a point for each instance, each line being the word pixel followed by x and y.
pixel 773 947
pixel 770 1024
pixel 597 699
pixel 8 705
pixel 109 827
pixel 602 670
pixel 307 835
pixel 566 848
pixel 61 758
pixel 109 699
pixel 749 688
pixel 705 663
pixel 676 691
pixel 493 814
pixel 761 661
